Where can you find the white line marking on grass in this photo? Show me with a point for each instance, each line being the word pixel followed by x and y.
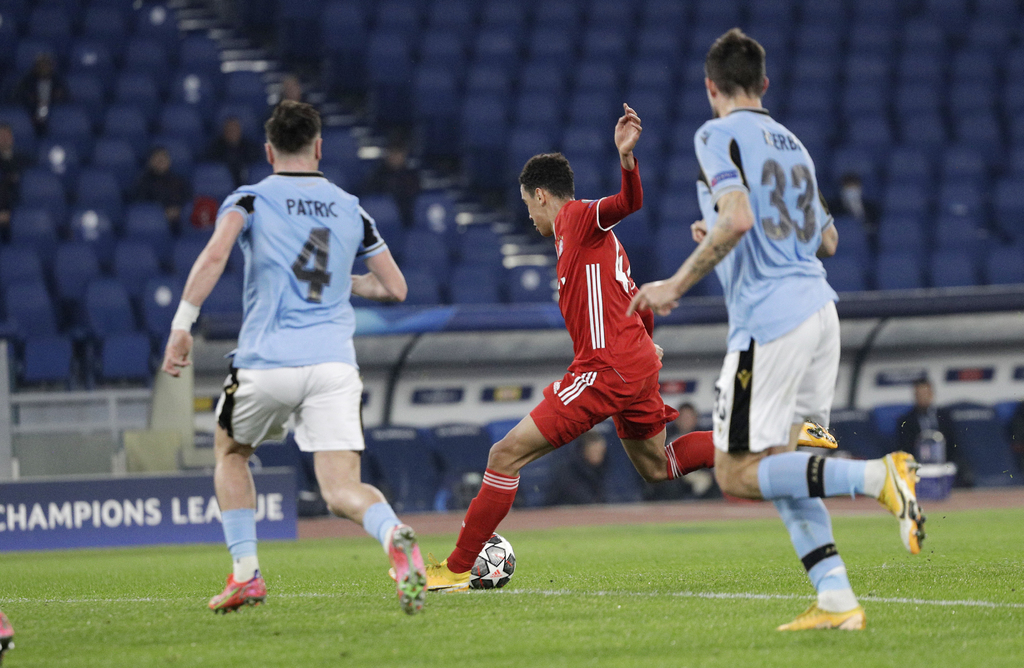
pixel 748 596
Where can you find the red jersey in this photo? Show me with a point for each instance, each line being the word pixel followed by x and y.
pixel 595 288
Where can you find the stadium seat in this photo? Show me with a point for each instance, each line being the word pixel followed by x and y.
pixel 160 298
pixel 479 245
pixel 551 46
pixel 434 211
pixel 406 467
pixel 445 50
pixel 99 189
pixel 186 251
pixel 74 266
pixel 135 264
pixel 196 90
pixel 385 214
pixel 424 288
pixel 1008 206
pixel 157 22
pixel 951 268
pixel 389 70
pixel 29 309
pixel 434 90
pixel 222 310
pixel 21 127
pixel 1005 265
pixel 47 359
pixel 125 357
pixel 70 123
pixel 92 58
pixel 150 57
pixel 978 431
pixel 139 90
pixel 846 274
pixel 199 54
pixel 531 284
pixel 886 417
pixel 30 48
pixel 94 228
pixel 426 251
pixel 212 179
pixel 50 24
pixel 855 433
pixel 460 449
pixel 474 284
pixel 247 88
pixel 898 271
pixel 128 123
pixel 484 134
pixel 896 233
pixel 343 39
pixel 87 91
pixel 117 157
pixel 106 26
pixel 32 226
pixel 107 308
pixel 487 79
pixel 19 263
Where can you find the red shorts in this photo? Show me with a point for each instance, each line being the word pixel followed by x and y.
pixel 573 405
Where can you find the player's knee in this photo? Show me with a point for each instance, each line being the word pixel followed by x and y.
pixel 503 456
pixel 652 472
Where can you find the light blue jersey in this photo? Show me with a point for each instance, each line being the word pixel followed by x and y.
pixel 301 235
pixel 773 280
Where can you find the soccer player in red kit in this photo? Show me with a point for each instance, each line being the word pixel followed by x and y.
pixel 614 372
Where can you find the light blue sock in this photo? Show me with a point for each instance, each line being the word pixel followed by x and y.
pixel 799 475
pixel 378 520
pixel 240 532
pixel 810 530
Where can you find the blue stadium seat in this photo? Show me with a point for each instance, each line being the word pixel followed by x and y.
pixel 93 58
pixel 1008 206
pixel 886 417
pixel 200 54
pixel 21 126
pixel 186 251
pixel 486 79
pixel 180 152
pixel 212 179
pixel 106 26
pixel 107 308
pixel 117 157
pixel 952 268
pixel 19 263
pixel 74 266
pixel 150 57
pixel 872 133
pixel 197 91
pixel 443 49
pixel 70 123
pixel 47 360
pixel 29 49
pixel 964 163
pixel 651 73
pixel 385 213
pixel 673 244
pixel 222 310
pixel 855 158
pixel 872 37
pixel 846 274
pixel 531 284
pixel 854 242
pixel 973 66
pixel 157 22
pixel 160 298
pixel 898 271
pixel 389 69
pixel 474 285
pixel 145 222
pixel 434 211
pixel 94 228
pixel 864 100
pixel 899 232
pixel 139 90
pixel 29 309
pixel 498 49
pixel 908 165
pixel 426 251
pixel 458 16
pixel 480 246
pixel 925 132
pixel 981 130
pixel 51 24
pixel 434 91
pixel 406 466
pixel 484 133
pixel 247 88
pixel 125 357
pixel 135 264
pixel 128 123
pixel 919 98
pixel 855 433
pixel 607 44
pixel 584 143
pixel 978 431
pixel 460 449
pixel 424 288
pixel 593 108
pixel 33 226
pixel 551 46
pixel 99 189
pixel 86 90
pixel 1005 265
pixel 343 40
pixel 905 199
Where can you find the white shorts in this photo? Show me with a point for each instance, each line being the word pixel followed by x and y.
pixel 766 389
pixel 324 398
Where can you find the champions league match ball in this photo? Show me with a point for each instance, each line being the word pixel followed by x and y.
pixel 494 565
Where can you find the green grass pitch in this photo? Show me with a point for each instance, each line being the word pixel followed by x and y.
pixel 700 594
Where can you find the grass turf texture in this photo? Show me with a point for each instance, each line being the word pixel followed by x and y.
pixel 621 596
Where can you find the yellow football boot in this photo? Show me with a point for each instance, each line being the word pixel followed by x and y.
pixel 440 578
pixel 816 618
pixel 813 435
pixel 898 495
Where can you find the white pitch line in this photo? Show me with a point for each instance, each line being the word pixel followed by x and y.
pixel 749 596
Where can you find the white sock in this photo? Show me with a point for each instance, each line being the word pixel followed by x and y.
pixel 245 568
pixel 837 600
pixel 874 477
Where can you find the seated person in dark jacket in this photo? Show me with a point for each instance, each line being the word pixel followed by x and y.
pixel 12 164
pixel 924 416
pixel 396 175
pixel 579 477
pixel 233 149
pixel 159 184
pixel 39 90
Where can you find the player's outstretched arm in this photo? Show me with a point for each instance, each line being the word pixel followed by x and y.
pixel 627 133
pixel 205 273
pixel 631 196
pixel 384 283
pixel 735 218
pixel 829 241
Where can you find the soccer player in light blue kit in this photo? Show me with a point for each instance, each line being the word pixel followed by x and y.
pixel 765 226
pixel 300 235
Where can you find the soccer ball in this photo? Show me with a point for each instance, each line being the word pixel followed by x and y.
pixel 494 565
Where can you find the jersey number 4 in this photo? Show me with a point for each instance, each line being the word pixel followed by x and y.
pixel 317 247
pixel 773 171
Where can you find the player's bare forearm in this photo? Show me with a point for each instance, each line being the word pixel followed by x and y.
pixel 209 266
pixel 705 258
pixel 385 282
pixel 829 242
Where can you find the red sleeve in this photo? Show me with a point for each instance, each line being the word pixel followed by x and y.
pixel 648 319
pixel 630 198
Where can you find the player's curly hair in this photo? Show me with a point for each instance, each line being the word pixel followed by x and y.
pixel 550 171
pixel 293 126
pixel 735 62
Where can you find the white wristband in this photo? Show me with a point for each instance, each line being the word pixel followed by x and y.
pixel 185 316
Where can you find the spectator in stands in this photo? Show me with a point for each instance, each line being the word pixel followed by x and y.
pixel 924 416
pixel 1017 434
pixel 233 149
pixel 686 422
pixel 40 89
pixel 12 164
pixel 579 478
pixel 395 176
pixel 851 202
pixel 161 185
pixel 291 88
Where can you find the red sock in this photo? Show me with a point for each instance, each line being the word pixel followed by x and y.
pixel 485 513
pixel 690 452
